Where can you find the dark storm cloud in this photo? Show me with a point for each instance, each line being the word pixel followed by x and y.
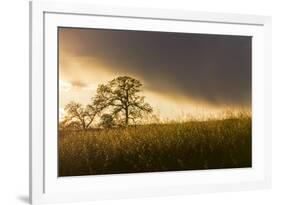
pixel 212 68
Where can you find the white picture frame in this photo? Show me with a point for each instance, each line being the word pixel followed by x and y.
pixel 46 187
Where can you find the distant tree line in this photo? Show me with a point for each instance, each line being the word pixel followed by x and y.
pixel 117 102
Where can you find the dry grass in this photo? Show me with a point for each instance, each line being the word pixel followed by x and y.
pixel 211 144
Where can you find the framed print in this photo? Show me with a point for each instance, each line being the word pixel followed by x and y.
pixel 129 102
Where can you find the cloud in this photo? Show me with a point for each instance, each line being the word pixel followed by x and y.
pixel 78 84
pixel 215 69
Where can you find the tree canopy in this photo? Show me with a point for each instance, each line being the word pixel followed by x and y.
pixel 121 96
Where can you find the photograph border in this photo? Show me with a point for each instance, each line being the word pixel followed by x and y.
pixel 143 31
pixel 38 10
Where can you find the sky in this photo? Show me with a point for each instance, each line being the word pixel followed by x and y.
pixel 183 74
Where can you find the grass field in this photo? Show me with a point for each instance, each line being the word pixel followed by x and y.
pixel 193 145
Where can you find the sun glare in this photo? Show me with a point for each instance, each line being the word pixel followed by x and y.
pixel 64 86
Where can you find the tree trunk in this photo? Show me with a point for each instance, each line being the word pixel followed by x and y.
pixel 127 116
pixel 127 108
pixel 83 124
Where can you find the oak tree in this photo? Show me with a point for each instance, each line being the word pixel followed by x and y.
pixel 122 97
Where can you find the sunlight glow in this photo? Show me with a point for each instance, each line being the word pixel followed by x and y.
pixel 64 86
pixel 80 81
pixel 62 114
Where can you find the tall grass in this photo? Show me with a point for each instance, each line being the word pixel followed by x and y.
pixel 173 146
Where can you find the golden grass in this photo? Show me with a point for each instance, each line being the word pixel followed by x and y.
pixel 176 146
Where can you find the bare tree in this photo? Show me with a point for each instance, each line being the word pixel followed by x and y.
pixel 122 97
pixel 77 113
